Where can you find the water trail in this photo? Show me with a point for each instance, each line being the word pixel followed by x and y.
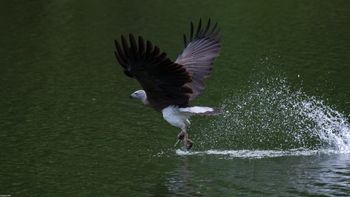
pixel 256 154
pixel 273 116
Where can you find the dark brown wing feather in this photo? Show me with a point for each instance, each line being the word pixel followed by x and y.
pixel 201 49
pixel 163 80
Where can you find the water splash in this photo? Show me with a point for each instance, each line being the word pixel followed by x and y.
pixel 256 154
pixel 271 116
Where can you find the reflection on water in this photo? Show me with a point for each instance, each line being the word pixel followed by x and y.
pixel 323 175
pixel 182 182
pixel 302 175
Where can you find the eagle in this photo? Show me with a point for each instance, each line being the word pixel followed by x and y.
pixel 169 86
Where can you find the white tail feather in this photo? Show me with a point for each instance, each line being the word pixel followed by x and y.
pixel 199 110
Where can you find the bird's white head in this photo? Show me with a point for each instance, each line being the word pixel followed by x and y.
pixel 140 95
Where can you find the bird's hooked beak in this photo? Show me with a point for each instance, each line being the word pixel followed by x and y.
pixel 133 96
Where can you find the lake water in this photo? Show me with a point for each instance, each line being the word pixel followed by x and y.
pixel 68 127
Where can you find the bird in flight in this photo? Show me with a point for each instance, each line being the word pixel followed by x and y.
pixel 169 86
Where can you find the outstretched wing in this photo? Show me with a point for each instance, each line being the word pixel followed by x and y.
pixel 163 80
pixel 201 49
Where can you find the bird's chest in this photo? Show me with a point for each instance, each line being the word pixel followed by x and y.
pixel 174 117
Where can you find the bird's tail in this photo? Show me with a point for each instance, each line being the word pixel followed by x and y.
pixel 200 110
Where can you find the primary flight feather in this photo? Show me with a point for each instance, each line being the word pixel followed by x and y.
pixel 169 86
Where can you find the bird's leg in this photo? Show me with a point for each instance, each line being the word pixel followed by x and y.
pixel 183 136
pixel 187 142
pixel 180 137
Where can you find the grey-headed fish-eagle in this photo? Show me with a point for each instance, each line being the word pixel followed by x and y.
pixel 169 86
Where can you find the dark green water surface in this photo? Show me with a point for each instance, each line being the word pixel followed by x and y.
pixel 68 127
